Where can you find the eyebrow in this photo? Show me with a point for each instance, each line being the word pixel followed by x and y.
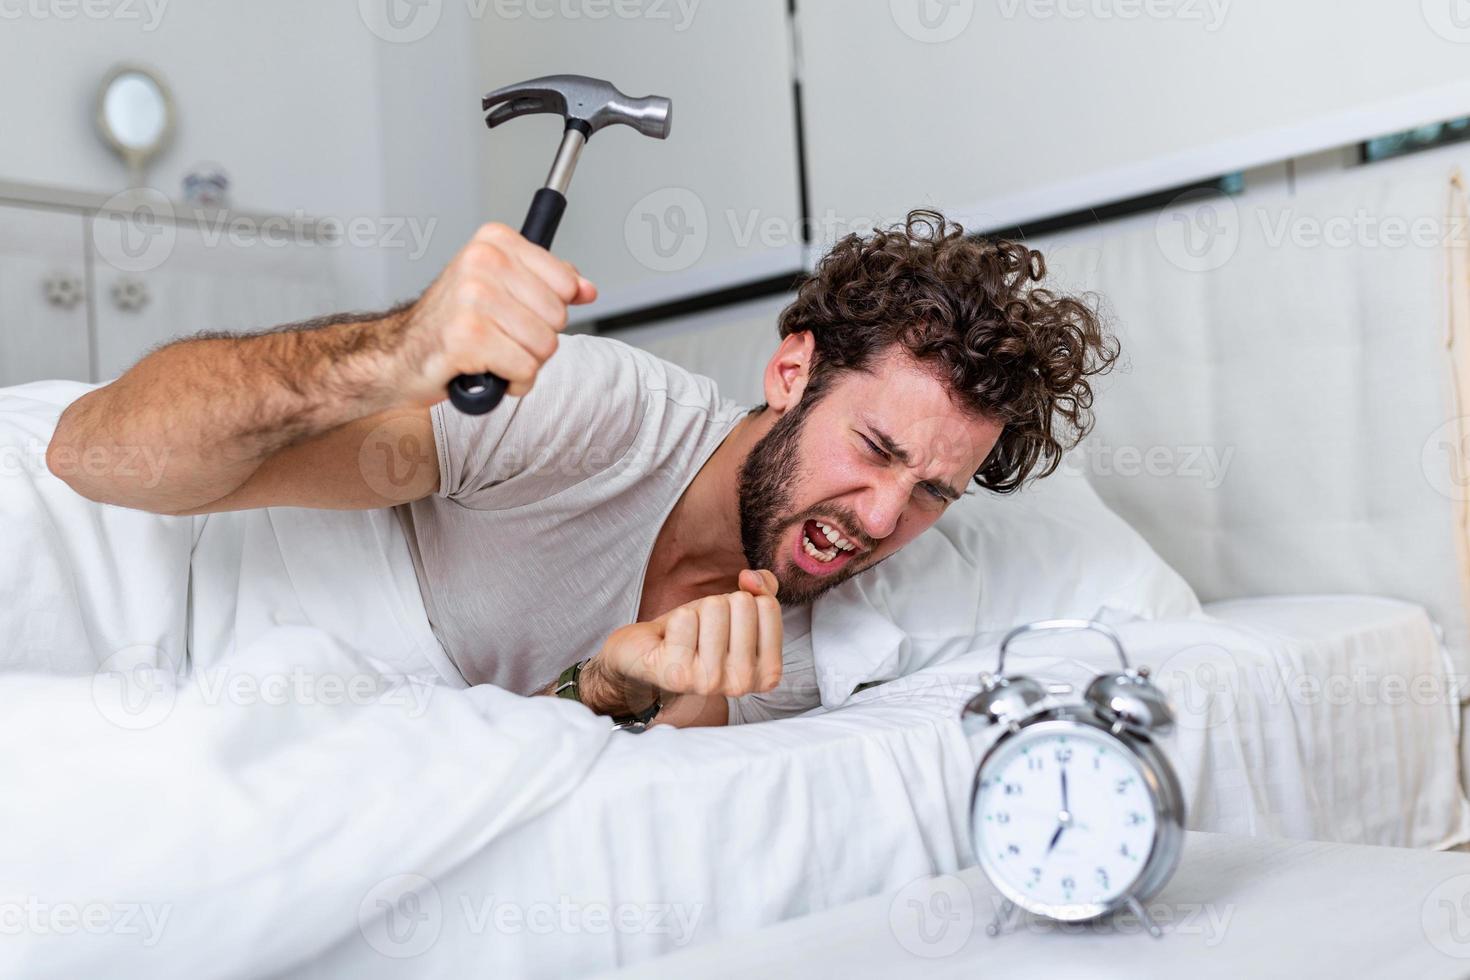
pixel 899 453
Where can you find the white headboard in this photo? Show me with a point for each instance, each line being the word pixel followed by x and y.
pixel 1285 421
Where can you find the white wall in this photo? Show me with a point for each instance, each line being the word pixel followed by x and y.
pixel 435 144
pixel 1000 111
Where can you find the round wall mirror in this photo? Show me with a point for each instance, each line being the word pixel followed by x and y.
pixel 135 115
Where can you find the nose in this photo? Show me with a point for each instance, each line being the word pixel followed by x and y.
pixel 882 507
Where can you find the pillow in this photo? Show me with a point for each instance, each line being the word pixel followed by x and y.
pixel 992 562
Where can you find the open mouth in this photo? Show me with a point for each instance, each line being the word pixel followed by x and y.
pixel 821 548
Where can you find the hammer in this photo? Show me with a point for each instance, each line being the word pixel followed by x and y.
pixel 587 104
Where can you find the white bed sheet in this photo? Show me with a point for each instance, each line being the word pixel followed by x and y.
pixel 685 837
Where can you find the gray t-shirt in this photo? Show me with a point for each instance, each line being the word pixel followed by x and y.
pixel 535 547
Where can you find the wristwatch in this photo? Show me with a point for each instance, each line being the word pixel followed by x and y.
pixel 566 687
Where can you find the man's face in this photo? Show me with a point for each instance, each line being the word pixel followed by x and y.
pixel 872 463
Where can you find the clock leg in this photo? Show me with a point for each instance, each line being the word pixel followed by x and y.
pixel 1148 922
pixel 1004 917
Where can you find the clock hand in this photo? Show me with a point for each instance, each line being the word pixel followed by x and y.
pixel 1055 837
pixel 1064 790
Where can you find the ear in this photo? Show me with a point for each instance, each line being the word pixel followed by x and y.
pixel 788 370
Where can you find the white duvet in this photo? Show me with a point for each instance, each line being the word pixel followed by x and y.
pixel 237 813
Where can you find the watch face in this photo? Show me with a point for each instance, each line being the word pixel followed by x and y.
pixel 1064 819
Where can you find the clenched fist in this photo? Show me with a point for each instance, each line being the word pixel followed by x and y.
pixel 498 307
pixel 720 645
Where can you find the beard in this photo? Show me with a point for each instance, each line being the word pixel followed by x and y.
pixel 768 482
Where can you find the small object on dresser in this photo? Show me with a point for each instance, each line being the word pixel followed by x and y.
pixel 207 186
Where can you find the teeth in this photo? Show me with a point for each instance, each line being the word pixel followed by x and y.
pixel 834 537
pixel 811 549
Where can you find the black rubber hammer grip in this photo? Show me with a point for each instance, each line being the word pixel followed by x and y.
pixel 476 394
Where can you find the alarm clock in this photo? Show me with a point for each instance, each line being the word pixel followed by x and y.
pixel 1076 813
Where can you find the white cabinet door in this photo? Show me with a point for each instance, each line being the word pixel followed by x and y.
pixel 43 297
pixel 716 204
pixel 156 282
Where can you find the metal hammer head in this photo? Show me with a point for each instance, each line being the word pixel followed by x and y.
pixel 590 102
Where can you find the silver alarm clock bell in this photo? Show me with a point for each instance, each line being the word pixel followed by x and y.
pixel 1075 813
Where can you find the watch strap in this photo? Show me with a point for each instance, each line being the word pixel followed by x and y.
pixel 568 686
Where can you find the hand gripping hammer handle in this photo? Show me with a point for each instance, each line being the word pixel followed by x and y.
pixel 476 394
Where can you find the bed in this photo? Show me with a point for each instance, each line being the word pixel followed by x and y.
pixel 684 837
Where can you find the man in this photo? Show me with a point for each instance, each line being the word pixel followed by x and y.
pixel 614 531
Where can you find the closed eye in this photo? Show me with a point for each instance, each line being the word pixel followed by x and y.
pixel 935 492
pixel 929 489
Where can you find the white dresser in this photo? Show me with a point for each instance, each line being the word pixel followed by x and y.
pixel 85 290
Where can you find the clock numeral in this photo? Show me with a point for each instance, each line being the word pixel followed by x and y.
pixel 1124 851
pixel 1135 818
pixel 1002 818
pixel 1069 884
pixel 1013 849
pixel 1064 756
pixel 1013 789
pixel 1102 877
pixel 1033 763
pixel 1123 784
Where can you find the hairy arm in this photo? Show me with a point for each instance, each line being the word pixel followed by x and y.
pixel 297 416
pixel 212 409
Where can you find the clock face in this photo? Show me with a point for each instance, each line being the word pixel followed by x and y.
pixel 1063 820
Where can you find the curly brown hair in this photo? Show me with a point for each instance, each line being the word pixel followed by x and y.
pixel 1010 350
